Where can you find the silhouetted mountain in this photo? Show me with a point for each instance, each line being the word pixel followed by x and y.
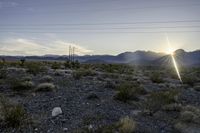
pixel 139 58
pixel 182 57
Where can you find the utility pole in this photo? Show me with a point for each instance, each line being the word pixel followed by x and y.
pixel 73 54
pixel 70 53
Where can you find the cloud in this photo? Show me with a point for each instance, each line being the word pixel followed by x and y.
pixel 29 47
pixel 8 4
pixel 78 49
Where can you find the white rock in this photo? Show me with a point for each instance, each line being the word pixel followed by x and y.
pixel 90 127
pixel 65 129
pixel 56 111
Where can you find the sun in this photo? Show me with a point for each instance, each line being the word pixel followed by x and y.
pixel 170 50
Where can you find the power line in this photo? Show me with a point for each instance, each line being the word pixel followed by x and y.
pixel 110 9
pixel 62 3
pixel 105 23
pixel 107 32
pixel 88 29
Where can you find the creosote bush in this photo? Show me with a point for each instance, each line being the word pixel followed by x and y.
pixel 3 73
pixel 128 91
pixel 156 77
pixel 189 79
pixel 35 68
pixel 82 73
pixel 189 119
pixel 157 100
pixel 43 87
pixel 46 78
pixel 19 85
pixel 127 125
pixel 13 115
pixel 124 125
pixel 56 65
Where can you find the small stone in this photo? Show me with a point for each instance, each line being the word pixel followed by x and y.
pixel 90 127
pixel 56 111
pixel 65 129
pixel 136 112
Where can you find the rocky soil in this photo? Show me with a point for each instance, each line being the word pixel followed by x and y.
pixel 88 102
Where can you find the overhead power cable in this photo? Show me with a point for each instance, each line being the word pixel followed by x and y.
pixel 98 28
pixel 97 32
pixel 105 10
pixel 105 23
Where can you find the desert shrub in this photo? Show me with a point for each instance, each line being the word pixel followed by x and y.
pixel 82 73
pixel 190 80
pixel 197 88
pixel 13 115
pixel 187 116
pixel 190 114
pixel 75 64
pixel 172 107
pixel 188 119
pixel 110 84
pixel 92 96
pixel 67 64
pixel 46 78
pixel 128 91
pixel 43 87
pixel 56 65
pixel 2 65
pixel 127 125
pixel 156 77
pixel 3 73
pixel 18 85
pixel 35 68
pixel 89 119
pixel 108 68
pixel 22 61
pixel 157 100
pixel 124 125
pixel 27 78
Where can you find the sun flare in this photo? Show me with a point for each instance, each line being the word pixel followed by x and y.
pixel 171 52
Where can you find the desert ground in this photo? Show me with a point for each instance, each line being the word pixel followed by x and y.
pixel 56 97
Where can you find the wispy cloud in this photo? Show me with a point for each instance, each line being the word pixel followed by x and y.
pixel 8 4
pixel 29 47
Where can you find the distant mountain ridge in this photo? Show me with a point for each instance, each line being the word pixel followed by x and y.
pixel 138 58
pixel 182 57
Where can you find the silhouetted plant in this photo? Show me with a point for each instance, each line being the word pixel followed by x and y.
pixel 22 62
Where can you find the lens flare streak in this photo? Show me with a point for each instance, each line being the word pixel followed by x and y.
pixel 173 59
pixel 176 67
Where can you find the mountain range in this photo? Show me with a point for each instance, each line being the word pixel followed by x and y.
pixel 137 58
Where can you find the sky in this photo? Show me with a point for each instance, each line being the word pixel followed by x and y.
pixel 39 27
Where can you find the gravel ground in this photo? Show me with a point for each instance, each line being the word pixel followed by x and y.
pixel 88 102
